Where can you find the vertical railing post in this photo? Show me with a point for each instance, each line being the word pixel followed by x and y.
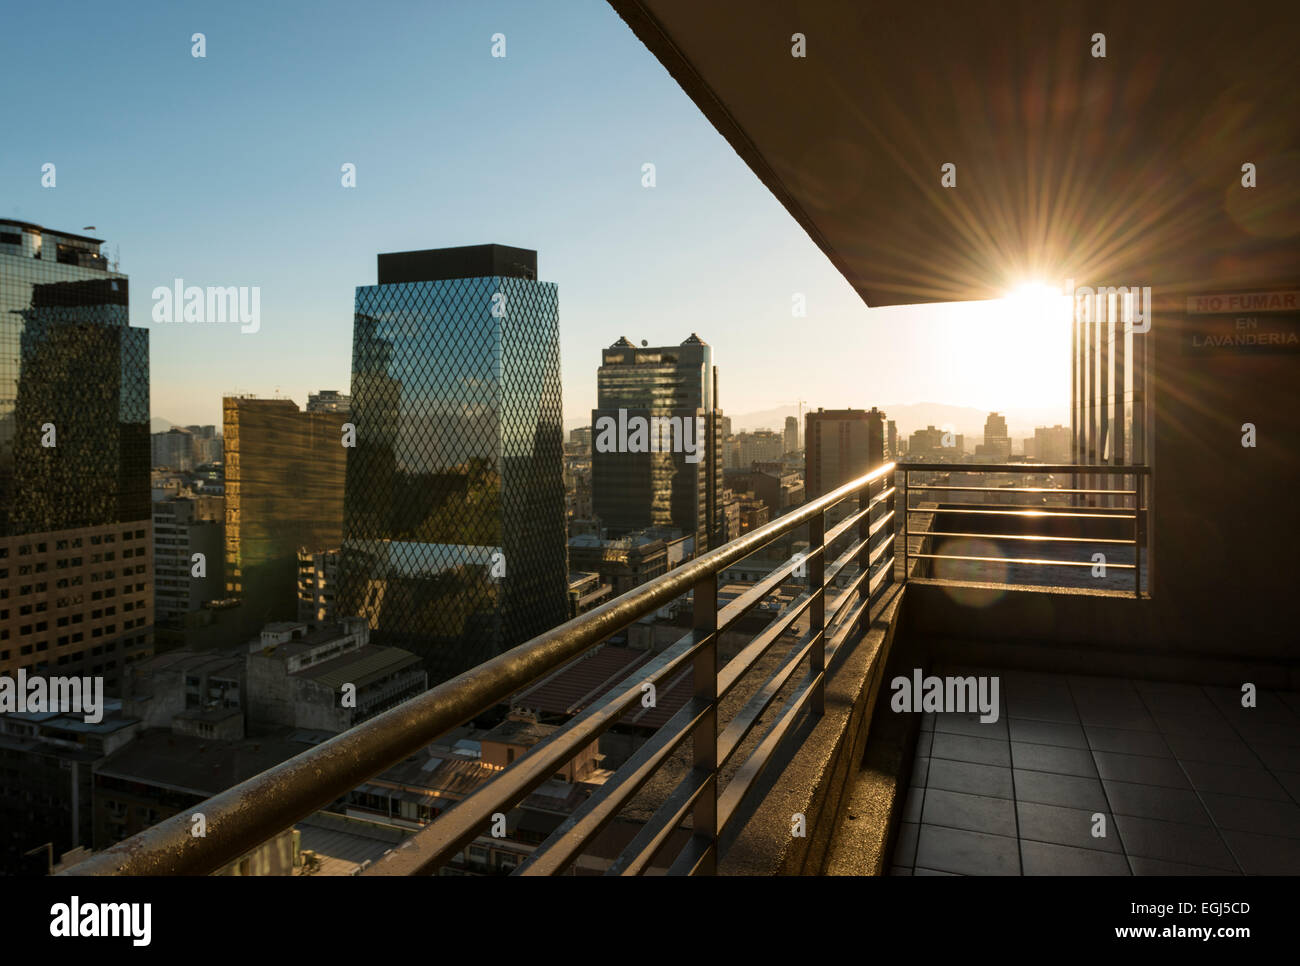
pixel 1137 534
pixel 705 739
pixel 864 535
pixel 817 609
pixel 891 507
pixel 905 472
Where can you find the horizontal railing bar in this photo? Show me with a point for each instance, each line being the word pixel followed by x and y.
pixel 1019 489
pixel 843 560
pixel 1027 512
pixel 752 652
pixel 737 608
pixel 845 525
pixel 837 606
pixel 637 856
pixel 1017 536
pixel 434 844
pixel 568 840
pixel 1102 468
pixel 744 779
pixel 880 522
pixel 745 719
pixel 1041 563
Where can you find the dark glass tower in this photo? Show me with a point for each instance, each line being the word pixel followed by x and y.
pixel 69 359
pixel 454 542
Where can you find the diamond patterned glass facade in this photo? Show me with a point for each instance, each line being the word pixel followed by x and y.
pixel 454 533
pixel 70 361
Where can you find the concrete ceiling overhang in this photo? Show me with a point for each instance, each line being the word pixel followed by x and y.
pixel 1122 170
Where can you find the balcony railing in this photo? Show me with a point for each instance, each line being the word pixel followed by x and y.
pixel 1101 510
pixel 841 588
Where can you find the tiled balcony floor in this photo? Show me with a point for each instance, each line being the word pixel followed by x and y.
pixel 1188 782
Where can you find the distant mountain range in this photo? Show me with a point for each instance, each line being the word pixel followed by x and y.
pixel 967 420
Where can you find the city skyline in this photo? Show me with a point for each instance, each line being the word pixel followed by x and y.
pixel 204 209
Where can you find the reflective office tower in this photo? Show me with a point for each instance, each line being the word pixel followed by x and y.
pixel 454 535
pixel 633 485
pixel 75 564
pixel 284 493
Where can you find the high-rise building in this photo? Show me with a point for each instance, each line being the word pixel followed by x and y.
pixel 997 443
pixel 1052 444
pixel 328 401
pixel 891 440
pixel 840 445
pixel 318 575
pixel 75 563
pixel 760 446
pixel 75 571
pixel 284 491
pixel 174 449
pixel 183 582
pixel 791 435
pixel 454 536
pixel 656 480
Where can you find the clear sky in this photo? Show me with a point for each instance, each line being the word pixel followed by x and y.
pixel 225 171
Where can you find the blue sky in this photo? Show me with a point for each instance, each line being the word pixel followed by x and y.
pixel 225 170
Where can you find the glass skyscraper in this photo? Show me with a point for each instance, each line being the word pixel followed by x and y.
pixel 454 540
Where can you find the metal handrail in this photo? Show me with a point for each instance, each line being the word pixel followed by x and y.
pixel 1140 473
pixel 241 818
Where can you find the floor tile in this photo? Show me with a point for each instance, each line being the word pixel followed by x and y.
pixel 900 870
pixel 920 772
pixel 1278 757
pixel 920 871
pixel 1047 733
pixel 1194 725
pixel 1065 826
pixel 1264 854
pixel 1151 801
pixel 1173 842
pixel 1140 769
pixel 912 804
pixel 971 725
pixel 905 846
pixel 1137 720
pixel 960 776
pixel 1042 709
pixel 1233 751
pixel 1290 780
pixel 1254 782
pixel 1126 742
pixel 924 742
pixel 1045 858
pixel 967 853
pixel 1264 816
pixel 1070 791
pixel 981 751
pixel 977 813
pixel 1051 758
